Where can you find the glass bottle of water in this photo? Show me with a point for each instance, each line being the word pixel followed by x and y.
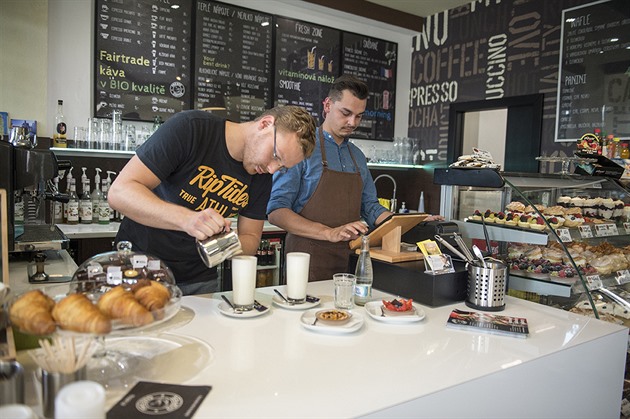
pixel 364 274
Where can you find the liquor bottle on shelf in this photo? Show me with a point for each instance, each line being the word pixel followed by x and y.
pixel 85 204
pixel 600 139
pixel 61 129
pixel 97 195
pixel 57 206
pixel 364 274
pixel 73 204
pixel 104 210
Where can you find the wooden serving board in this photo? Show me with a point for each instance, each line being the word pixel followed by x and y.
pixel 388 235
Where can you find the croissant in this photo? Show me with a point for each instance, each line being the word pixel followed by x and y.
pixel 151 294
pixel 118 303
pixel 31 313
pixel 77 313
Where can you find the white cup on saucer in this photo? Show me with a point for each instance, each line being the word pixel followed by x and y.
pixel 297 276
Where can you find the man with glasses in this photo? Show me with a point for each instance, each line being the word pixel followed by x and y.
pixel 320 201
pixel 196 171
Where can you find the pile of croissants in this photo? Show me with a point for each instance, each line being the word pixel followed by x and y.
pixel 137 305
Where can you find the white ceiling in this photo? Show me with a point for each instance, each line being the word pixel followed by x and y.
pixel 422 8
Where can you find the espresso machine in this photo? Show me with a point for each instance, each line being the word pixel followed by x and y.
pixel 27 174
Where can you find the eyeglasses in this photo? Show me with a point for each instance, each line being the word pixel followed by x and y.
pixel 281 167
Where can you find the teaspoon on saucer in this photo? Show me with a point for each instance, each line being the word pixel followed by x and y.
pixel 231 305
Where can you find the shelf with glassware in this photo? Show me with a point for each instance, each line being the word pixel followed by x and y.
pixel 558 234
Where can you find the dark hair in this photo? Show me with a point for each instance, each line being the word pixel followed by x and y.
pixel 348 82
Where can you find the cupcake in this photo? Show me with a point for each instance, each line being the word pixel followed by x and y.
pixel 524 221
pixel 499 218
pixel 537 223
pixel 564 201
pixel 476 216
pixel 606 208
pixel 512 219
pixel 488 216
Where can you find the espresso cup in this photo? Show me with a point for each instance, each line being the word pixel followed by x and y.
pixel 297 276
pixel 243 282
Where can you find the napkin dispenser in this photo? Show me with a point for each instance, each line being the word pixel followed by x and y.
pixel 427 230
pixel 410 280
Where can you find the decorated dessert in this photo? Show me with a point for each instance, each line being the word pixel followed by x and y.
pixel 398 304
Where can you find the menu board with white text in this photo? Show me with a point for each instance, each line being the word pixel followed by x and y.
pixel 373 61
pixel 306 63
pixel 142 58
pixel 594 80
pixel 233 59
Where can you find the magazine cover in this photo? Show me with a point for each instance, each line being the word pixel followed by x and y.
pixel 490 323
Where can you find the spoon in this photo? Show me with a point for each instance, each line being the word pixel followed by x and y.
pixel 231 305
pixel 283 297
pixel 479 255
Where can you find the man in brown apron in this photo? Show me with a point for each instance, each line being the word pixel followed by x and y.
pixel 321 201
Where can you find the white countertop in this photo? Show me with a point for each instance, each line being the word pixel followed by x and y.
pixel 271 366
pixel 86 231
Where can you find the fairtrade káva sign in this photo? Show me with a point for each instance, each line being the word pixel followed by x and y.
pixel 143 58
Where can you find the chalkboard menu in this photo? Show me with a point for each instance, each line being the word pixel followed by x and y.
pixel 374 61
pixel 142 58
pixel 306 63
pixel 233 58
pixel 594 81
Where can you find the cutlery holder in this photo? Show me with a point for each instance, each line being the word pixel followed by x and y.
pixel 487 286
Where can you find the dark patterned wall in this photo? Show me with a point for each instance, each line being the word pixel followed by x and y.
pixel 482 51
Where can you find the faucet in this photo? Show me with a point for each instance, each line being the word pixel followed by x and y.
pixel 392 202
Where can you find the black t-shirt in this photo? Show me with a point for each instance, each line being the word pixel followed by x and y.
pixel 189 155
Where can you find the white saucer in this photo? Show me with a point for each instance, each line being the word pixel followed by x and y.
pixel 373 308
pixel 303 306
pixel 228 311
pixel 355 323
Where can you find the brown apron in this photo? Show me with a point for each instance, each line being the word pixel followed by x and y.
pixel 336 201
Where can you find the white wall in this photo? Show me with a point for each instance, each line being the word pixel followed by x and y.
pixel 70 56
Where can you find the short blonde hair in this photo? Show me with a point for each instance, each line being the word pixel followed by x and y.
pixel 294 119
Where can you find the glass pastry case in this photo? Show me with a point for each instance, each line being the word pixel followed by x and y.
pixel 565 238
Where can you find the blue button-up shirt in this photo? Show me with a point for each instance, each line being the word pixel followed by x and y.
pixel 294 188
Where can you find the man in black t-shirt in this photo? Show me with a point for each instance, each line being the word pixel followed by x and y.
pixel 196 171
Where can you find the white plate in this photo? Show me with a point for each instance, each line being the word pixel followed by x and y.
pixel 355 323
pixel 228 311
pixel 373 308
pixel 304 306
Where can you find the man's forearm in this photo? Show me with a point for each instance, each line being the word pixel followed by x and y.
pixel 294 223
